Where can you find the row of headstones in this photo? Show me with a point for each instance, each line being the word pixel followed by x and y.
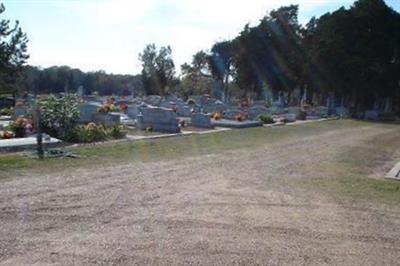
pixel 163 119
pixel 89 113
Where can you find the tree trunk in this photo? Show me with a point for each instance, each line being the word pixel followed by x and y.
pixel 39 137
pixel 225 89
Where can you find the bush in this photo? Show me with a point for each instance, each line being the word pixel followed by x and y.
pixel 87 133
pixel 117 132
pixel 92 133
pixel 7 111
pixel 59 116
pixel 266 119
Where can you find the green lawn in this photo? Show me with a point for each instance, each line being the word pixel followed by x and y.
pixel 168 148
pixel 357 189
pixel 342 187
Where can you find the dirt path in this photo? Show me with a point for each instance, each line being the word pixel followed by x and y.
pixel 230 208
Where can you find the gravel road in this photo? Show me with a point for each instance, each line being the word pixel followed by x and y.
pixel 237 207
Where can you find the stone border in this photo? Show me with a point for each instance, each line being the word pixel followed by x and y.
pixel 298 122
pixel 394 173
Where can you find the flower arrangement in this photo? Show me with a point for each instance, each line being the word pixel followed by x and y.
pixel 123 107
pixel 104 109
pixel 240 117
pixel 216 115
pixel 7 135
pixel 19 126
pixel 110 100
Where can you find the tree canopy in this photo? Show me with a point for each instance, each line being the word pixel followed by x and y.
pixel 65 79
pixel 352 53
pixel 13 52
pixel 158 72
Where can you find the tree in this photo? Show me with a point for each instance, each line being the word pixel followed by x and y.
pixel 196 77
pixel 222 65
pixel 59 79
pixel 269 56
pixel 357 51
pixel 158 72
pixel 13 52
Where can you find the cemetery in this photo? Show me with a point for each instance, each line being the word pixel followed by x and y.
pixel 95 118
pixel 201 184
pixel 108 117
pixel 240 140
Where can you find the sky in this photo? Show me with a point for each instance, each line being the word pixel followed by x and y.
pixel 109 34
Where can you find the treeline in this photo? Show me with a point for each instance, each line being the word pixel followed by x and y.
pixel 352 54
pixel 65 79
pixel 16 76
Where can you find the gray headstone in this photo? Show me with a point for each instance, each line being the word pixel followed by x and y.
pixel 295 110
pixel 322 111
pixel 257 110
pixel 133 111
pixel 232 113
pixel 372 115
pixel 87 110
pixel 211 107
pixel 153 100
pixel 108 119
pixel 201 121
pixel 159 119
pixel 20 111
pixel 290 117
pixel 342 111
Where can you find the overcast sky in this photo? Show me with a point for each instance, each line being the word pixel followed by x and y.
pixel 109 34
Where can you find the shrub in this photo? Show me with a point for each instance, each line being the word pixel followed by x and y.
pixel 266 119
pixel 59 116
pixel 87 133
pixel 117 132
pixel 7 111
pixel 92 133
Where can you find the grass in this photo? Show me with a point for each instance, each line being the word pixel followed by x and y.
pixel 163 149
pixel 342 187
pixel 360 189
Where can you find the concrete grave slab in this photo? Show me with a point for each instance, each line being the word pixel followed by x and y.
pixel 236 124
pixel 394 173
pixel 25 143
